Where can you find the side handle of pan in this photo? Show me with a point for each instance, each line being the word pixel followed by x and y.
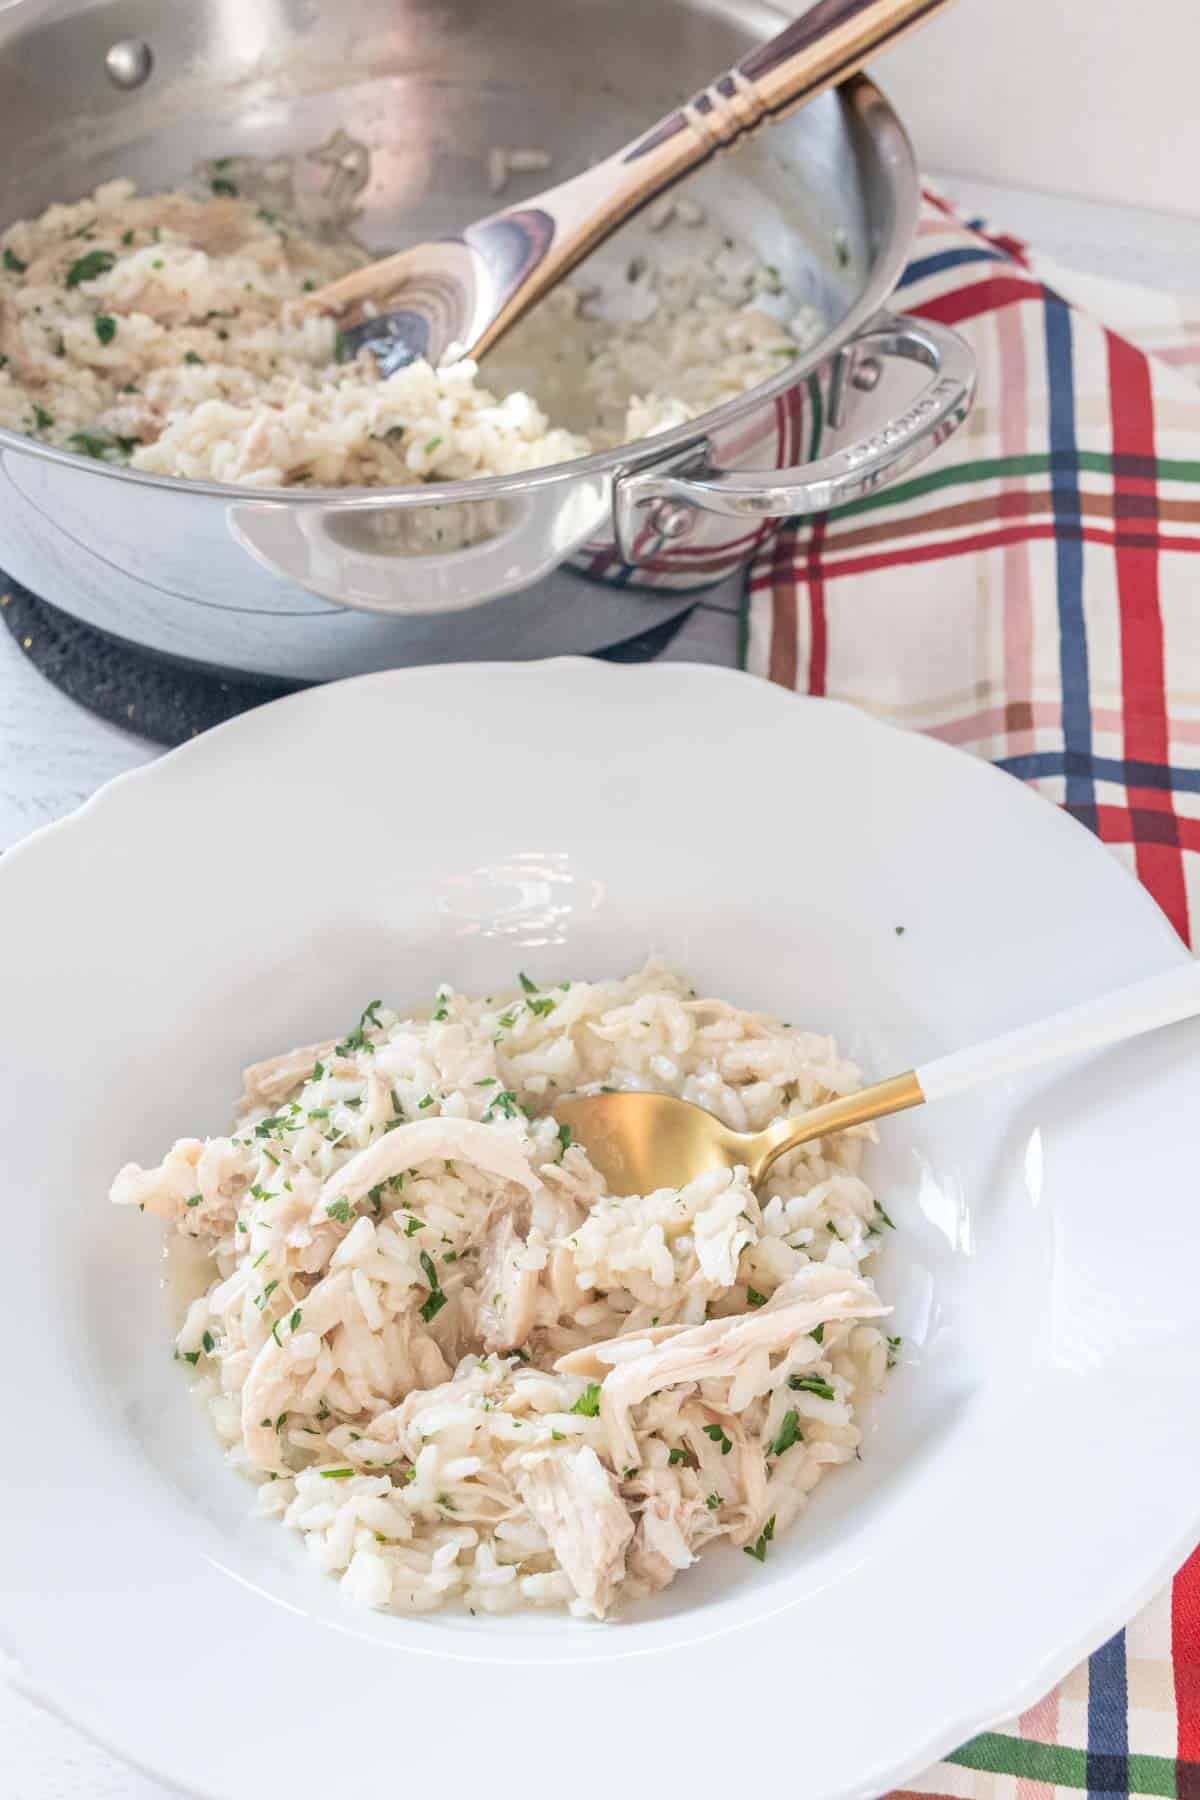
pixel 655 505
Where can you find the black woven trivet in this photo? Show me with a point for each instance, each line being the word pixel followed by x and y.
pixel 167 701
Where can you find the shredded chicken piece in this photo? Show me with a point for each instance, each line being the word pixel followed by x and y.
pixel 164 1191
pixel 412 1360
pixel 485 1147
pixel 575 1500
pixel 633 1367
pixel 507 1287
pixel 268 1082
pixel 663 1543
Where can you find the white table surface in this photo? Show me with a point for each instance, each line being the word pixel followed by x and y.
pixel 53 755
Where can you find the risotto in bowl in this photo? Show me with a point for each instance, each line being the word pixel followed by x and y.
pixel 457 1365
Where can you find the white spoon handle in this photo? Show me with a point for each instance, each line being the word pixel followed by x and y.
pixel 1143 1006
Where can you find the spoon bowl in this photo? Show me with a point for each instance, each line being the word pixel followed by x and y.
pixel 643 1141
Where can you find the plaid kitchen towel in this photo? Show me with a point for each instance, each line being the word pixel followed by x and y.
pixel 1032 594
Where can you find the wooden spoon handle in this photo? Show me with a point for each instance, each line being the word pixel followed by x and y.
pixel 826 44
pixel 529 248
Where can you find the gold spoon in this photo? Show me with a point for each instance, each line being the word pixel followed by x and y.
pixel 466 290
pixel 643 1141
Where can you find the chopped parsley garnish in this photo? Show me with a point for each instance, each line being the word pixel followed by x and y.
pixel 318 1072
pixel 88 445
pixel 426 1100
pixel 294 1321
pixel 339 1210
pixel 505 1102
pixel 564 1138
pixel 681 1456
pixel 529 987
pixel 817 1334
pixel 13 262
pixel 42 418
pixel 105 327
pixel 190 356
pixel 893 1344
pixel 432 445
pixel 261 1299
pixel 195 1200
pixel 87 268
pixel 884 1216
pixel 260 1259
pixel 717 1434
pixel 437 1299
pixel 357 1039
pixel 335 1474
pixel 209 1343
pixel 220 185
pixel 754 1298
pixel 540 1008
pixel 442 1009
pixel 191 1356
pixel 127 237
pixel 268 1127
pixel 557 1437
pixel 588 1402
pixel 413 1226
pixel 307 286
pixel 759 1550
pixel 713 1501
pixel 811 1384
pixel 789 1433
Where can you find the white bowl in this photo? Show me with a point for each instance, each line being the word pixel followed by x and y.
pixel 1030 1474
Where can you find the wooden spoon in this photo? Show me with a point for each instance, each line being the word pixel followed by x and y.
pixel 640 1142
pixel 466 291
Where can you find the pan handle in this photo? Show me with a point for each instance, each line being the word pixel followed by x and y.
pixel 655 506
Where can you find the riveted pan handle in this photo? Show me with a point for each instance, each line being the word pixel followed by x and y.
pixel 651 506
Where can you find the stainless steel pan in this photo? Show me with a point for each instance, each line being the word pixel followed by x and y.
pixel 308 583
